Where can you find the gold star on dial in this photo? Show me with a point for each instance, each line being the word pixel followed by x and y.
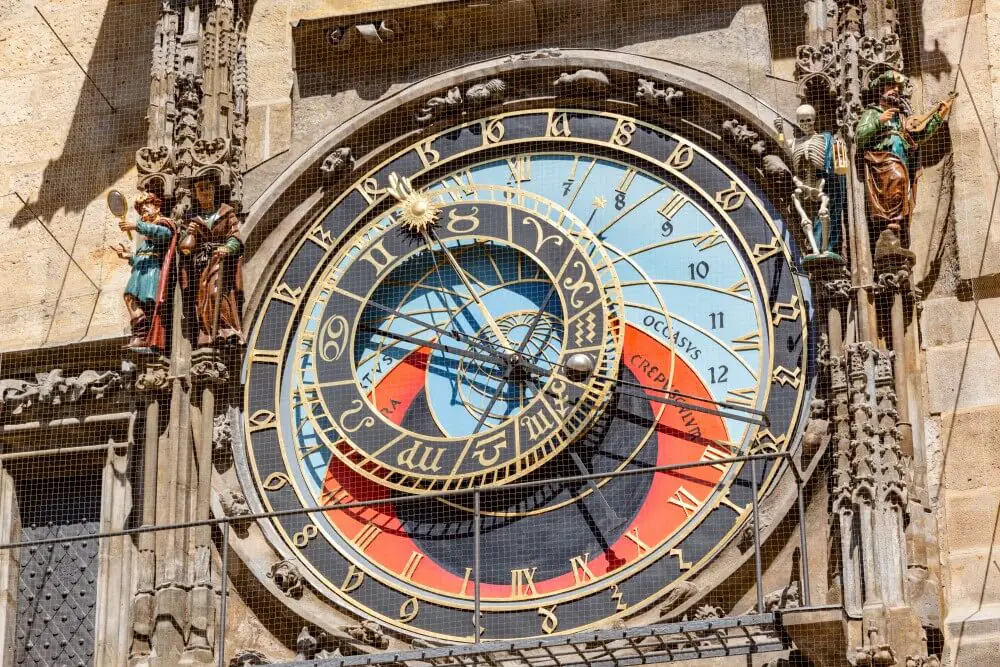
pixel 599 202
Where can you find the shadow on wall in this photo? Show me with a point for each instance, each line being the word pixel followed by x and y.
pixel 427 41
pixel 100 143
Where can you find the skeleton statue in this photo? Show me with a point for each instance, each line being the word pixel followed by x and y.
pixel 819 193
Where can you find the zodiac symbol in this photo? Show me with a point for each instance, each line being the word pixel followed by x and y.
pixel 275 481
pixel 471 220
pixel 366 422
pixel 542 239
pixel 332 338
pixel 578 284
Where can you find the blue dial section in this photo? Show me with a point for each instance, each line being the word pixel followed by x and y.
pixel 684 277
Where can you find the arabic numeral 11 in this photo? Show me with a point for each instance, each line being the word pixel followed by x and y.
pixel 699 270
pixel 718 320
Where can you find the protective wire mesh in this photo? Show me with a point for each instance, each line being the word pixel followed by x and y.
pixel 544 332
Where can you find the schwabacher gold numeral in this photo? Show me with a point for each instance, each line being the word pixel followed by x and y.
pixel 409 610
pixel 549 620
pixel 558 125
pixel 681 157
pixel 624 131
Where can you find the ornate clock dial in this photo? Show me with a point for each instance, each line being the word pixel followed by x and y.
pixel 512 319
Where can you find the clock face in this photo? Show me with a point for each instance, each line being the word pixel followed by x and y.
pixel 507 303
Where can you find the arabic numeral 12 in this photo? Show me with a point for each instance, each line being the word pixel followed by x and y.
pixel 719 373
pixel 699 270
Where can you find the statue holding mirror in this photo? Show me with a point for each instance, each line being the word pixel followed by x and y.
pixel 147 293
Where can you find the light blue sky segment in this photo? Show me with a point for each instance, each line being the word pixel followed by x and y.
pixel 458 391
pixel 683 263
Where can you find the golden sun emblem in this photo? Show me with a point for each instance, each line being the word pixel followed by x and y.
pixel 417 210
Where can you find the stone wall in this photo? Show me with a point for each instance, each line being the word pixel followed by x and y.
pixel 958 261
pixel 64 147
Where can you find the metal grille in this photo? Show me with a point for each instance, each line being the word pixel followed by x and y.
pixel 57 581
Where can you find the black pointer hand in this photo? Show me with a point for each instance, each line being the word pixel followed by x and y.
pixel 515 360
pixel 444 347
pixel 468 339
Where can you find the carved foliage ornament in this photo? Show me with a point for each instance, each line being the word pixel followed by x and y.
pixel 493 90
pixel 648 93
pixel 287 577
pixel 54 389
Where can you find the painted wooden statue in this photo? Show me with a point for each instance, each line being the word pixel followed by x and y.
pixel 213 274
pixel 889 135
pixel 147 293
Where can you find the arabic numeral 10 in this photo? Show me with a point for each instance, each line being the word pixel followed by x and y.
pixel 699 270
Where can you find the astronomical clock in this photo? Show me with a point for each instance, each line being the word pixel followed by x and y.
pixel 538 316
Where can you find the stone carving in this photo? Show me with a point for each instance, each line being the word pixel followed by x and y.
pixel 705 612
pixel 54 389
pixel 210 151
pixel 819 167
pixel 248 658
pixel 493 90
pixel 536 55
pixel 287 577
pixel 788 597
pixel 586 79
pixel 881 52
pixel 155 377
pixel 211 272
pixel 873 655
pixel 310 647
pixel 920 661
pixel 889 135
pixel 343 38
pixel 369 632
pixel 678 595
pixel 338 164
pixel 234 503
pixel 208 370
pixel 222 440
pixel 437 106
pixel 745 138
pixel 151 159
pixel 650 94
pixel 817 63
pixel 147 293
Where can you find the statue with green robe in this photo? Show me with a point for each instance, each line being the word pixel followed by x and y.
pixel 889 135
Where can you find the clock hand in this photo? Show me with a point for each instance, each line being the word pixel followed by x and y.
pixel 444 347
pixel 516 358
pixel 582 467
pixel 454 334
pixel 430 236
